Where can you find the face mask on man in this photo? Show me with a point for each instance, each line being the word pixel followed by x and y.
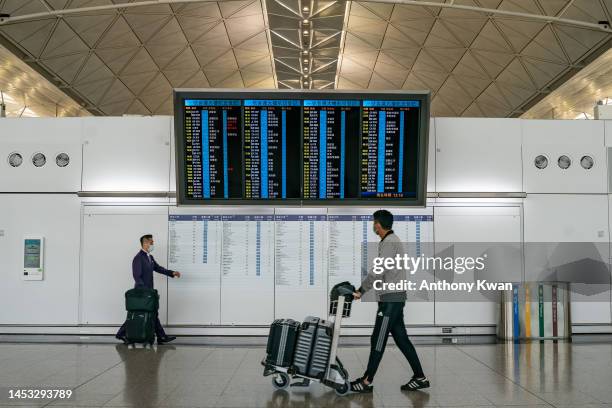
pixel 151 248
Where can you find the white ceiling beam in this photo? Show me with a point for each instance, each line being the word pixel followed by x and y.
pixel 282 37
pixel 280 3
pixel 324 66
pixel 416 3
pixel 287 65
pixel 106 7
pixel 324 40
pixel 498 12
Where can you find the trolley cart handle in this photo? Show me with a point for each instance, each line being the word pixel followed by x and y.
pixel 335 336
pixel 343 291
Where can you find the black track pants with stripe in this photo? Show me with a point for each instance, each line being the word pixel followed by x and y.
pixel 390 319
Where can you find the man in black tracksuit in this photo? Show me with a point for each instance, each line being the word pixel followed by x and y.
pixel 390 313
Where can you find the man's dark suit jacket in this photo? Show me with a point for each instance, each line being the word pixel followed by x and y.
pixel 143 267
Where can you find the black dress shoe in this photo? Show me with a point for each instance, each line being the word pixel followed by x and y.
pixel 122 338
pixel 165 339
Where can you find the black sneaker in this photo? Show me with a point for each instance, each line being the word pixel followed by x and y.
pixel 359 386
pixel 416 384
pixel 165 339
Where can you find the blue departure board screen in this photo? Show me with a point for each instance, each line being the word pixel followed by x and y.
pixel 213 158
pixel 301 147
pixel 389 148
pixel 271 136
pixel 331 149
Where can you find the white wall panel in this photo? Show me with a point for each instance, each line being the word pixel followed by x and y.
pixel 608 143
pixel 559 219
pixel 478 155
pixel 28 136
pixel 431 157
pixel 572 138
pixel 478 226
pixel 54 300
pixel 608 131
pixel 126 154
pixel 110 242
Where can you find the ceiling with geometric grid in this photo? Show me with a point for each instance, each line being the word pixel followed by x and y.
pixel 113 57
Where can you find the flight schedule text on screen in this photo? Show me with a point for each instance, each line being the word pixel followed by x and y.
pixel 387 148
pixel 288 147
pixel 213 150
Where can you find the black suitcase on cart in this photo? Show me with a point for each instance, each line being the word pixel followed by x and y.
pixel 142 305
pixel 281 342
pixel 313 347
pixel 140 327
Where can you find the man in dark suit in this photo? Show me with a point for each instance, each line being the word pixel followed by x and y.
pixel 143 266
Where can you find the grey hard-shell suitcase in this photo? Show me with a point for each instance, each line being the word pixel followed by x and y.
pixel 313 347
pixel 321 349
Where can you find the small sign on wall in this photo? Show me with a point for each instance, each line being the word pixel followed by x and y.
pixel 33 258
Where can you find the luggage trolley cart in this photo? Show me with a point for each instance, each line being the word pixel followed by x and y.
pixel 336 376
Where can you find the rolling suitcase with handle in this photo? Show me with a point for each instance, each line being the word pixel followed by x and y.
pixel 313 347
pixel 281 342
pixel 319 357
pixel 303 348
pixel 140 327
pixel 142 305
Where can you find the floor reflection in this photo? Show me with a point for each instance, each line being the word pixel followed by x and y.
pixel 142 373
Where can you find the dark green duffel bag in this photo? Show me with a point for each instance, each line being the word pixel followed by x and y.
pixel 141 300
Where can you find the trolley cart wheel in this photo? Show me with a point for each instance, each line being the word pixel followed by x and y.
pixel 280 381
pixel 341 369
pixel 343 389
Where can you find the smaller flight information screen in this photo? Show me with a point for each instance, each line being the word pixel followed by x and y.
pixel 331 149
pixel 271 148
pixel 213 149
pixel 389 148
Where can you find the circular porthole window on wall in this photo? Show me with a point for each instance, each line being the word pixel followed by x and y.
pixel 564 162
pixel 15 159
pixel 39 159
pixel 587 162
pixel 541 162
pixel 62 160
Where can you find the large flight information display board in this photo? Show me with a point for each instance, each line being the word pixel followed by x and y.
pixel 301 147
pixel 271 136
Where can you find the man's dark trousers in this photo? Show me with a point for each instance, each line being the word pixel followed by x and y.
pixel 390 319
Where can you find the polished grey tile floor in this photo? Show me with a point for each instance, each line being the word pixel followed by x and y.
pixel 529 375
